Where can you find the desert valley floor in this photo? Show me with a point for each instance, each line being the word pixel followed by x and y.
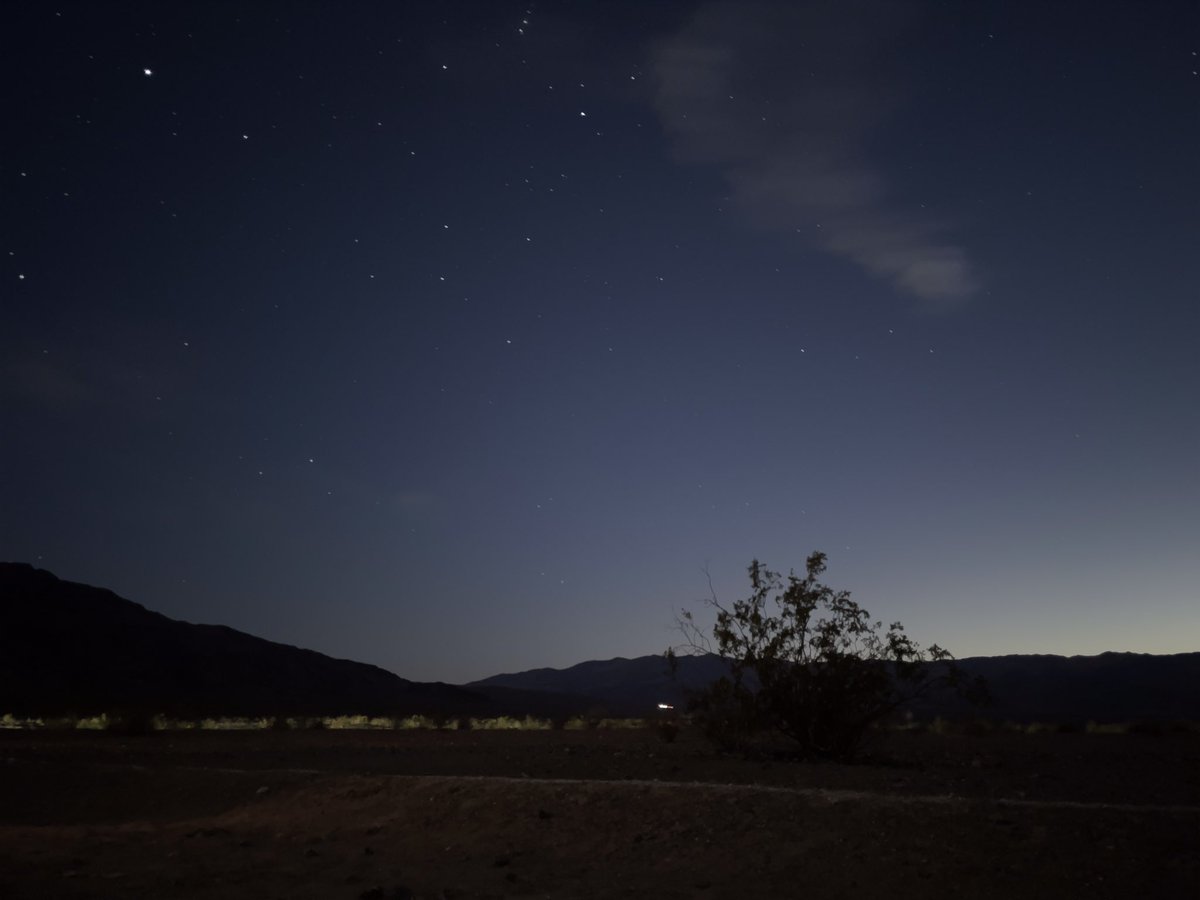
pixel 598 813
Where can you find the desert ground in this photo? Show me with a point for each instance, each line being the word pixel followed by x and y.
pixel 592 813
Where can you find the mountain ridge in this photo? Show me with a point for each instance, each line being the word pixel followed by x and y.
pixel 71 647
pixel 67 647
pixel 1110 686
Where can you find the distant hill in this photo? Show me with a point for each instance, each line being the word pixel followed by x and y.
pixel 622 686
pixel 68 647
pixel 1111 687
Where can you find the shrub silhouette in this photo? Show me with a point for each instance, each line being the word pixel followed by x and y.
pixel 818 671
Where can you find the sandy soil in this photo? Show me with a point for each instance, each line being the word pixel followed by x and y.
pixel 591 814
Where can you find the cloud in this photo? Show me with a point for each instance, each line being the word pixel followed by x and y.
pixel 785 99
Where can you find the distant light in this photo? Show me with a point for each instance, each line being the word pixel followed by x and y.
pixel 147 72
pixel 665 706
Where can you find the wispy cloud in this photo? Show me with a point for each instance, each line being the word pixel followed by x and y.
pixel 786 98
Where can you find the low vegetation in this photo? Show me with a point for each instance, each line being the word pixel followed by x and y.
pixel 127 723
pixel 668 728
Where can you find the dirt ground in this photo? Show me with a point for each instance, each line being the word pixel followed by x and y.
pixel 341 814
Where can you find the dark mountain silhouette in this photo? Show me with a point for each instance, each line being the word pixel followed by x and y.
pixel 1111 687
pixel 620 686
pixel 71 648
pixel 540 704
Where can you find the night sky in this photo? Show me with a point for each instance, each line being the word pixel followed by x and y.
pixel 461 338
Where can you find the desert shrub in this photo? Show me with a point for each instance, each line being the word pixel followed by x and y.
pixel 360 723
pixel 346 722
pixel 412 723
pixel 9 722
pixel 815 669
pixel 510 723
pixel 971 727
pixel 627 723
pixel 234 724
